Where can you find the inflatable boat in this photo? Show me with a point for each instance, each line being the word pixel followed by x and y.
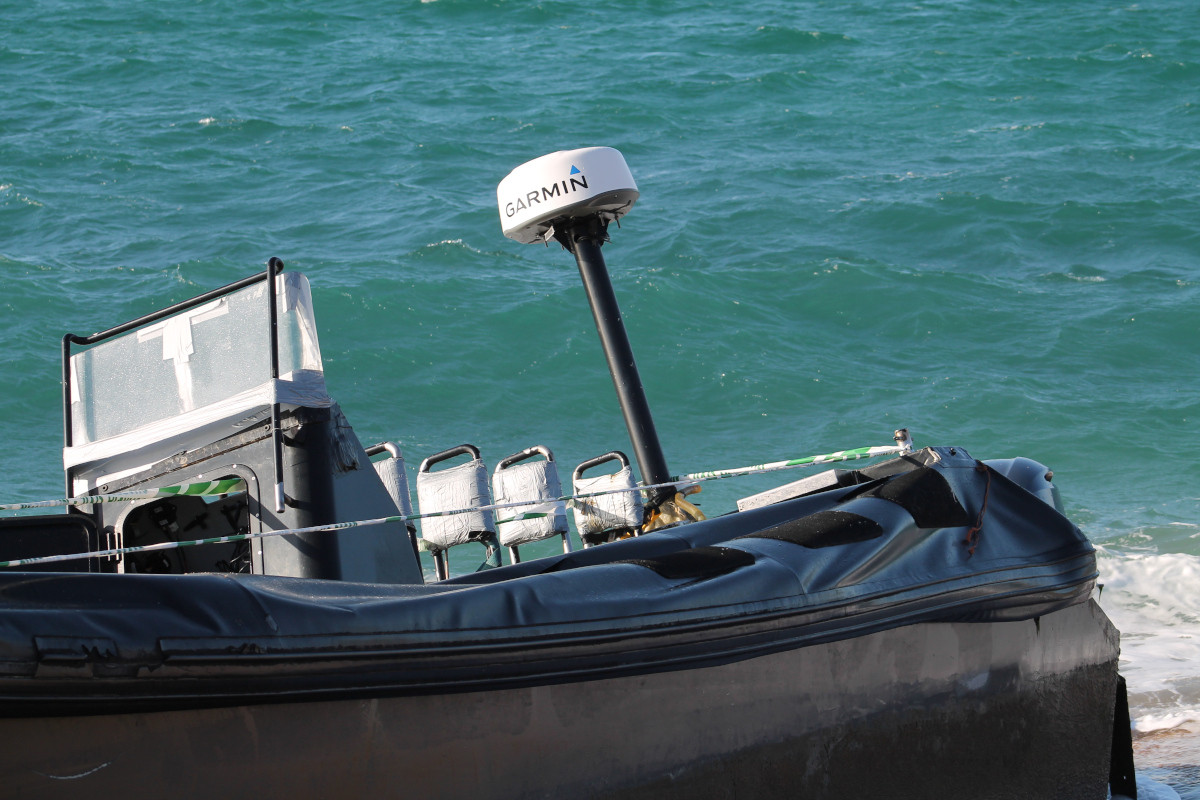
pixel 233 602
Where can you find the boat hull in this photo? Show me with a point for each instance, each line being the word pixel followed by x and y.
pixel 970 709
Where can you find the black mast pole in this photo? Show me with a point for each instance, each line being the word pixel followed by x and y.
pixel 584 237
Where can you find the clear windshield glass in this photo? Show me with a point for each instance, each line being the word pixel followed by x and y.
pixel 193 360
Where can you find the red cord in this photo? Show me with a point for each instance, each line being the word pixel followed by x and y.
pixel 973 533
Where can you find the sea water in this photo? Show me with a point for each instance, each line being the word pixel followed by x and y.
pixel 975 220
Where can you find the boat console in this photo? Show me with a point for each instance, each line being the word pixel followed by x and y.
pixel 228 385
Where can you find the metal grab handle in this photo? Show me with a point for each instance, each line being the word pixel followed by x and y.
pixel 528 452
pixel 463 449
pixel 391 448
pixel 615 455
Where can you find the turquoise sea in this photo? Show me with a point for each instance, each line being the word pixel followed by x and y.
pixel 978 220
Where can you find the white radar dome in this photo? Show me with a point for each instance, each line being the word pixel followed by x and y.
pixel 587 182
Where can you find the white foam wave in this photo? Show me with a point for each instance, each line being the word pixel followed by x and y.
pixel 1149 723
pixel 1153 790
pixel 1154 600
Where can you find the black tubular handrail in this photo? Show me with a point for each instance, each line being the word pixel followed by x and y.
pixel 274 267
pixel 274 264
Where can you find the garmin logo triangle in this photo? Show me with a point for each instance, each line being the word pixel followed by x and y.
pixel 576 181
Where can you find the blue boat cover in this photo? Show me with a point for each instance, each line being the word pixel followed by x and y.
pixel 935 536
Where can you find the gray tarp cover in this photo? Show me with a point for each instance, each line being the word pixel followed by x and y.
pixel 891 551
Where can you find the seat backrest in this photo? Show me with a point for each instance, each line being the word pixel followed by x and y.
pixel 597 516
pixel 518 478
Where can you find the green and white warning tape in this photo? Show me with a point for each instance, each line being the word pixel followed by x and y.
pixel 226 486
pixel 236 537
pixel 234 485
pixel 828 458
pixel 240 537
